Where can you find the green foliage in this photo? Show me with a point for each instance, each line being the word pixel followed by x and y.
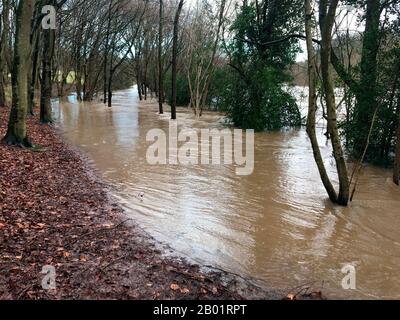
pixel 385 98
pixel 262 106
pixel 182 90
pixel 253 94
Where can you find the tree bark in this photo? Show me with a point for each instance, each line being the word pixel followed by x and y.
pixel 312 108
pixel 160 62
pixel 105 70
pixel 46 87
pixel 367 90
pixel 2 84
pixel 396 170
pixel 327 14
pixel 4 35
pixel 174 58
pixel 16 133
pixel 34 67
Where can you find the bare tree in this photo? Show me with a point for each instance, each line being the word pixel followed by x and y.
pixel 174 58
pixel 204 38
pixel 4 50
pixel 160 62
pixel 327 14
pixel 312 107
pixel 396 170
pixel 16 132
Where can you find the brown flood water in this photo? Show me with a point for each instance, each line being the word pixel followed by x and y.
pixel 276 225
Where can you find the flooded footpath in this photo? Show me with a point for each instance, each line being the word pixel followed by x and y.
pixel 276 225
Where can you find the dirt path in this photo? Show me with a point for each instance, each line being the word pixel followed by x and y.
pixel 55 212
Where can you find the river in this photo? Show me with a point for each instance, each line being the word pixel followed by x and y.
pixel 276 225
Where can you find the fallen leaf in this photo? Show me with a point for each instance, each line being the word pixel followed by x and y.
pixel 20 225
pixel 174 287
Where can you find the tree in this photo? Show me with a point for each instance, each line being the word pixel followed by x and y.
pixel 203 43
pixel 4 60
pixel 312 103
pixel 34 60
pixel 367 93
pixel 174 58
pixel 369 126
pixel 327 14
pixel 46 81
pixel 160 60
pixel 254 96
pixel 396 170
pixel 106 50
pixel 16 132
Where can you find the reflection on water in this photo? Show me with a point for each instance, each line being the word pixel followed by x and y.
pixel 276 225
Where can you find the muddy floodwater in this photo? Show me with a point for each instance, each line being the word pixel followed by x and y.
pixel 276 225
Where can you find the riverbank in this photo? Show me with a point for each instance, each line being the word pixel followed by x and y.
pixel 54 211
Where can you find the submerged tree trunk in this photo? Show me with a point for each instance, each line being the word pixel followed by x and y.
pixel 46 88
pixel 174 58
pixel 327 14
pixel 109 89
pixel 78 80
pixel 312 108
pixel 105 69
pixel 396 170
pixel 160 63
pixel 138 72
pixel 16 133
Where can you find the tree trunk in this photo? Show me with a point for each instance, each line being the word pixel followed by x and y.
pixel 2 89
pixel 2 84
pixel 78 81
pixel 33 75
pixel 105 85
pixel 109 89
pixel 4 35
pixel 367 97
pixel 396 170
pixel 312 108
pixel 138 73
pixel 327 12
pixel 174 58
pixel 46 87
pixel 16 133
pixel 160 63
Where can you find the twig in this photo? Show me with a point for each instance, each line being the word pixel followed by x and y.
pixel 113 262
pixel 357 169
pixel 20 295
pixel 100 230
